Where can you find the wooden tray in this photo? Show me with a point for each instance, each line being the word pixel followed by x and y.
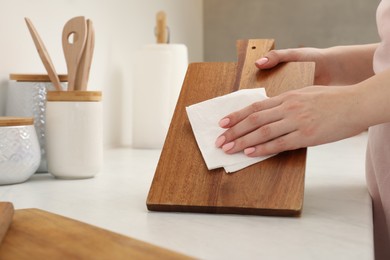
pixel 37 234
pixel 272 187
pixel 6 215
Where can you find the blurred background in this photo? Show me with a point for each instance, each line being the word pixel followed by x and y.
pixel 294 23
pixel 209 29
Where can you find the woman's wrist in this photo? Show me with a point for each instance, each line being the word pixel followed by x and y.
pixel 373 97
pixel 350 64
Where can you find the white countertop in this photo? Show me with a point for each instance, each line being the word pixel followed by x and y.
pixel 336 221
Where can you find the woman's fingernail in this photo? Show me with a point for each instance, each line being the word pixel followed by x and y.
pixel 262 61
pixel 220 141
pixel 249 150
pixel 228 146
pixel 224 122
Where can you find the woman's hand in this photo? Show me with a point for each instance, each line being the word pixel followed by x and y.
pixel 300 118
pixel 312 115
pixel 340 65
pixel 322 73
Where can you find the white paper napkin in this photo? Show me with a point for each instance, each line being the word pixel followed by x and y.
pixel 204 118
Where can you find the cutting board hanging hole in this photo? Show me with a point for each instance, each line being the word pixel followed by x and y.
pixel 253 47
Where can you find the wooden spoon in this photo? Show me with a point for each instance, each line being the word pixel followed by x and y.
pixel 44 55
pixel 82 74
pixel 74 36
pixel 6 215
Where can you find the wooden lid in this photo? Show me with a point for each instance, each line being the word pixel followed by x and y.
pixel 91 96
pixel 36 77
pixel 16 121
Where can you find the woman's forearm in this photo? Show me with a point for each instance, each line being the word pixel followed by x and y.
pixel 352 64
pixel 374 107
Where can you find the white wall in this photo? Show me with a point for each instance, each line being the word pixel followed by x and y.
pixel 121 26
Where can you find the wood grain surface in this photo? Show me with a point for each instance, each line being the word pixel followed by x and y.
pixel 82 75
pixel 161 27
pixel 44 55
pixel 36 77
pixel 37 234
pixel 16 121
pixel 79 95
pixel 6 215
pixel 272 187
pixel 74 36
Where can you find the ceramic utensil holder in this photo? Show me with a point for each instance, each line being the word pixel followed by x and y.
pixel 20 155
pixel 74 138
pixel 27 98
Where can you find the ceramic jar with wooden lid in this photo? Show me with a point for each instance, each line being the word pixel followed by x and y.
pixel 74 138
pixel 20 154
pixel 26 97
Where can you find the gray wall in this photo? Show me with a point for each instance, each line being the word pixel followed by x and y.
pixel 292 23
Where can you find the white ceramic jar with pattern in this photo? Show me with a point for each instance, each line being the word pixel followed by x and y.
pixel 26 97
pixel 20 154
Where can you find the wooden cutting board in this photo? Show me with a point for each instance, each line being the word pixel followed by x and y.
pixel 37 234
pixel 6 215
pixel 272 187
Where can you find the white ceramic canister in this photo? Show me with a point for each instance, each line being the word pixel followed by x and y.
pixel 20 155
pixel 74 139
pixel 26 97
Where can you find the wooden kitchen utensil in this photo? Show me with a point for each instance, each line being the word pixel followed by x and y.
pixel 6 215
pixel 47 63
pixel 272 187
pixel 74 36
pixel 37 234
pixel 82 73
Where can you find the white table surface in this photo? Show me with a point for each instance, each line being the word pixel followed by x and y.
pixel 336 222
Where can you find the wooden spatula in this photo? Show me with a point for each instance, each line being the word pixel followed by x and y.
pixel 74 36
pixel 82 73
pixel 44 55
pixel 6 215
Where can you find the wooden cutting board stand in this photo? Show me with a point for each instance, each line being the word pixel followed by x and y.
pixel 182 183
